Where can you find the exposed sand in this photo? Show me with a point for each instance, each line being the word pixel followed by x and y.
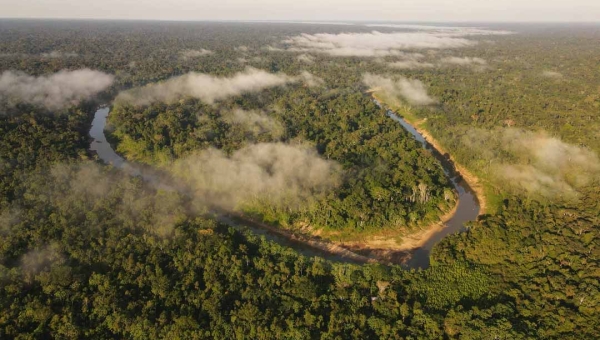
pixel 387 247
pixel 384 247
pixel 468 176
pixel 311 241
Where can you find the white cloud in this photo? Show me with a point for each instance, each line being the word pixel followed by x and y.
pixel 410 64
pixel 463 61
pixel 53 92
pixel 273 173
pixel 41 258
pixel 552 74
pixel 310 80
pixel 533 162
pixel 255 122
pixel 372 44
pixel 306 58
pixel 274 49
pixel 412 90
pixel 209 88
pixel 411 61
pixel 58 54
pixel 378 44
pixel 188 54
pixel 300 22
pixel 446 30
pixel 242 48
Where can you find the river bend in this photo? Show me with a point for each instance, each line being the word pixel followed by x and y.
pixel 466 210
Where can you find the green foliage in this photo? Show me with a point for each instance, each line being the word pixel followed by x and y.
pixel 383 164
pixel 34 139
pixel 447 285
pixel 88 253
pixel 546 259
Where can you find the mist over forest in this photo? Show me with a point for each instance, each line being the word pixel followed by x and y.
pixel 264 191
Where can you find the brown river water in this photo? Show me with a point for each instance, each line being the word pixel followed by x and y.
pixel 467 209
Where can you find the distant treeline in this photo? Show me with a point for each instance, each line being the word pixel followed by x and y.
pixel 86 252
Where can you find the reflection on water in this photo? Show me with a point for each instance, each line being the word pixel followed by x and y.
pixel 467 210
pixel 106 153
pixel 99 143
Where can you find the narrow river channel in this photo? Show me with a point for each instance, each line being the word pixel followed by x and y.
pixel 468 205
pixel 108 155
pixel 467 209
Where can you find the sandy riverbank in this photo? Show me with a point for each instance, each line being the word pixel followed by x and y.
pixel 389 246
pixel 472 180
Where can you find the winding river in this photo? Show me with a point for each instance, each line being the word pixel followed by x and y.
pixel 467 209
pixel 310 248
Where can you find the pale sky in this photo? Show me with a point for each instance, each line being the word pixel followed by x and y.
pixel 310 10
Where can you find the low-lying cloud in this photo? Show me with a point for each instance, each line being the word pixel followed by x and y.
pixel 411 61
pixel 535 163
pixel 242 48
pixel 310 79
pixel 374 44
pixel 411 90
pixel 255 122
pixel 306 58
pixel 465 61
pixel 552 74
pixel 54 92
pixel 59 54
pixel 302 22
pixel 448 30
pixel 378 44
pixel 41 258
pixel 273 174
pixel 410 64
pixel 188 54
pixel 8 218
pixel 85 187
pixel 208 88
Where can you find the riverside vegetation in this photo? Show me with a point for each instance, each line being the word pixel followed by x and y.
pixel 86 251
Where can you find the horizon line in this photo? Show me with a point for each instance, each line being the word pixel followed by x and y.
pixel 348 22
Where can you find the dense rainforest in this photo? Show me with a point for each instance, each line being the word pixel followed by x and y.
pixel 385 169
pixel 89 252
